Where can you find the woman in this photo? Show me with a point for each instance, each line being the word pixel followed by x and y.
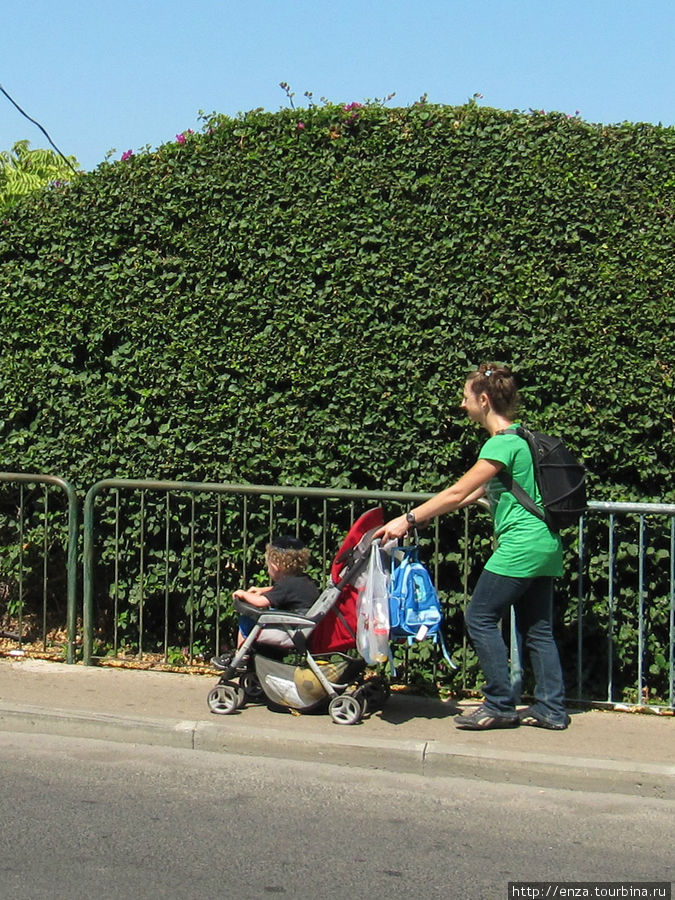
pixel 521 570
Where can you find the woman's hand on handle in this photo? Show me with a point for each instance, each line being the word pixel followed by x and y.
pixel 393 530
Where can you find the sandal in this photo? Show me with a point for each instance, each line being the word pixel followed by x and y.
pixel 481 719
pixel 531 717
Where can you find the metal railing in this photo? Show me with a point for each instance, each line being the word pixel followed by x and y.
pixel 611 600
pixel 164 556
pixel 28 524
pixel 244 517
pixel 633 603
pixel 652 586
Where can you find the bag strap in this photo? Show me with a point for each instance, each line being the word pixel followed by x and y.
pixel 375 560
pixel 512 485
pixel 395 565
pixel 410 555
pixel 521 496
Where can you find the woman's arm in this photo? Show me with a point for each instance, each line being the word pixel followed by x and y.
pixel 465 490
pixel 477 494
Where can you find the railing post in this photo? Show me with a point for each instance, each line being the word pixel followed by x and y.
pixel 671 698
pixel 610 611
pixel 580 605
pixel 641 613
pixel 88 576
pixel 71 564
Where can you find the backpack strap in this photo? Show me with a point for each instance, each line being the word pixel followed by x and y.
pixel 444 650
pixel 521 496
pixel 512 485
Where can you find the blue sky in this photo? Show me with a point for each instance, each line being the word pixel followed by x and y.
pixel 126 74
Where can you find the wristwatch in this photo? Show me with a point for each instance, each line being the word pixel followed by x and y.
pixel 410 519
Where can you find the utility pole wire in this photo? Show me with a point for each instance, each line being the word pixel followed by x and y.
pixel 23 113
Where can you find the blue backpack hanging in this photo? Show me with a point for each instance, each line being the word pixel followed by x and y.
pixel 414 609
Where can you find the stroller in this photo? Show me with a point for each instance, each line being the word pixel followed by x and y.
pixel 327 675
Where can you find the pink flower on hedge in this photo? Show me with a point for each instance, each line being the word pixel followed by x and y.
pixel 301 126
pixel 127 155
pixel 180 138
pixel 350 106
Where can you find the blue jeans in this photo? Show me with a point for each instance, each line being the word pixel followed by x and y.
pixel 532 601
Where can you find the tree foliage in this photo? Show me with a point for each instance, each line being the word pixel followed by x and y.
pixel 24 171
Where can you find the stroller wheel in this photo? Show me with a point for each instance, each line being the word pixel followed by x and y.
pixel 251 686
pixel 225 698
pixel 345 710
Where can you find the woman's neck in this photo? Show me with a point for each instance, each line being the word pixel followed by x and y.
pixel 494 423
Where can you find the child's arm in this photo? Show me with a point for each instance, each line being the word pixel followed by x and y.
pixel 255 596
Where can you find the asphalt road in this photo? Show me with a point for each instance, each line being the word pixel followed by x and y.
pixel 85 818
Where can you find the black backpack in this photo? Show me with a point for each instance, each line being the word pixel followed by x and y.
pixel 560 476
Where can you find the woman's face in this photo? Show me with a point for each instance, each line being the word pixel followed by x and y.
pixel 472 403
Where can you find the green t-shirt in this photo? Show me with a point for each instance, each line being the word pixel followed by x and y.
pixel 526 546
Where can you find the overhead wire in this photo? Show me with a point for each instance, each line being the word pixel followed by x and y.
pixel 43 130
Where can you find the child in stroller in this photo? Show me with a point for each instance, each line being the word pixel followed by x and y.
pixel 324 675
pixel 286 558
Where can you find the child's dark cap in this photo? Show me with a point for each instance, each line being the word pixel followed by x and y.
pixel 287 542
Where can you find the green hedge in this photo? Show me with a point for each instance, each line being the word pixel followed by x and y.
pixel 295 297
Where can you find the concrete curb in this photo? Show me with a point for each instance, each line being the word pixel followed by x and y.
pixel 352 748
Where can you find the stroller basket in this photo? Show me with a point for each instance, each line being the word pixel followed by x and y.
pixel 302 687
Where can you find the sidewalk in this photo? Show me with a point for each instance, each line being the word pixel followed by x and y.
pixel 601 751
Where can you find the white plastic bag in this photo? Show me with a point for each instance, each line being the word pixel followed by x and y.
pixel 372 614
